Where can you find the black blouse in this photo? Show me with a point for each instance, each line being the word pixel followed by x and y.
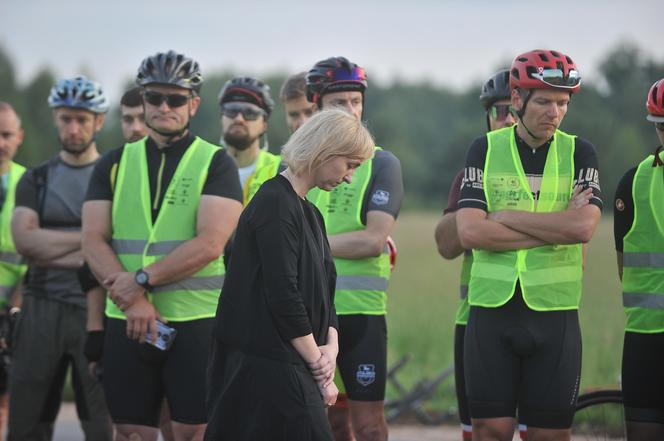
pixel 281 278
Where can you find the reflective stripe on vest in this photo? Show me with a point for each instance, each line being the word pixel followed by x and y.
pixel 550 276
pixel 643 252
pixel 361 283
pixel 12 264
pixel 267 166
pixel 138 242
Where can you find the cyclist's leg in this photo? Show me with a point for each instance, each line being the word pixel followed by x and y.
pixel 551 375
pixel 89 394
pixel 132 383
pixel 492 372
pixel 362 362
pixel 460 383
pixel 339 414
pixel 37 372
pixel 643 383
pixel 184 378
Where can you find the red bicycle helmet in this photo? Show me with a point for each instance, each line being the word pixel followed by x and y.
pixel 655 102
pixel 544 69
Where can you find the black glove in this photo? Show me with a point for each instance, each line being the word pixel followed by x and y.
pixel 94 346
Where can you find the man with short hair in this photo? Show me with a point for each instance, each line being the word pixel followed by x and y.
pixel 530 198
pixel 358 217
pixel 157 215
pixel 246 105
pixel 639 242
pixel 293 96
pixel 12 267
pixel 133 115
pixel 46 228
pixel 495 98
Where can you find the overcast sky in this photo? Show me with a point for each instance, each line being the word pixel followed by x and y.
pixel 449 42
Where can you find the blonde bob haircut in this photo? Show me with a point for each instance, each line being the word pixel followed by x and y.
pixel 327 134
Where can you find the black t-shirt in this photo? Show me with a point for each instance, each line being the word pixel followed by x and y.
pixel 586 170
pixel 222 179
pixel 385 190
pixel 623 208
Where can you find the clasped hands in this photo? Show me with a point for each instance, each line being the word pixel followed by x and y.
pixel 323 372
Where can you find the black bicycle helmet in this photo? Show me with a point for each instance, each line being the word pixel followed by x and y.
pixel 170 68
pixel 335 74
pixel 248 90
pixel 496 88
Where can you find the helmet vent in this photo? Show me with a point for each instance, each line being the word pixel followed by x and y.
pixel 555 54
pixel 543 57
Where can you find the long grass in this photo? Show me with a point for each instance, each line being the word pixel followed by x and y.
pixel 423 297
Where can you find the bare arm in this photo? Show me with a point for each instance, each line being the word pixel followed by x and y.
pixel 447 237
pixel 369 242
pixel 560 227
pixel 217 219
pixel 476 231
pixel 96 236
pixel 40 244
pixel 96 300
pixel 71 260
pixel 619 258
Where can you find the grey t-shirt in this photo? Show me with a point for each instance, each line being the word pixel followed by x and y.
pixel 61 210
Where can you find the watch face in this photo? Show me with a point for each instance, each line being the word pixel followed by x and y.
pixel 141 278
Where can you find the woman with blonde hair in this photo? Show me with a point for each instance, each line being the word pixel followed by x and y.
pixel 273 359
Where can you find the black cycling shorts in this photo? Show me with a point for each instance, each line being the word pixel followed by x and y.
pixel 517 357
pixel 362 359
pixel 460 376
pixel 643 377
pixel 138 376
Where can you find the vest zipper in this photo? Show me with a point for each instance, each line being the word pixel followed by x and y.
pixel 155 204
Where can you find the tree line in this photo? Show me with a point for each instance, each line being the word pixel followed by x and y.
pixel 428 127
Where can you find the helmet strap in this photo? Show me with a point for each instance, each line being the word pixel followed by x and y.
pixel 519 114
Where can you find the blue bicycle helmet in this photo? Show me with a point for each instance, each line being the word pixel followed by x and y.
pixel 79 93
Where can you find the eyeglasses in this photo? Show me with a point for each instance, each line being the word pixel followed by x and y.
pixel 556 78
pixel 499 112
pixel 173 100
pixel 660 126
pixel 249 113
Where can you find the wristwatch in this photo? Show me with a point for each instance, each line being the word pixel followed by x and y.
pixel 142 278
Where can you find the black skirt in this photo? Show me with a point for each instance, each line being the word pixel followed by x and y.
pixel 253 398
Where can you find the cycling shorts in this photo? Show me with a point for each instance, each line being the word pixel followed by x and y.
pixel 643 377
pixel 362 359
pixel 138 376
pixel 516 357
pixel 459 375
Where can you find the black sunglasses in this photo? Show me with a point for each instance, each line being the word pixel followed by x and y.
pixel 499 112
pixel 173 100
pixel 248 113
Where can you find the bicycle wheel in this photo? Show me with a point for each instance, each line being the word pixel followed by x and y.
pixel 599 415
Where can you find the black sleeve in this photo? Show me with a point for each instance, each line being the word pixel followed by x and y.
pixel 99 187
pixel 330 269
pixel 223 178
pixel 586 170
pixel 26 191
pixel 386 187
pixel 278 239
pixel 623 209
pixel 472 186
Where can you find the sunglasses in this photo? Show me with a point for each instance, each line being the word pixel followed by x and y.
pixel 248 113
pixel 557 78
pixel 499 112
pixel 173 100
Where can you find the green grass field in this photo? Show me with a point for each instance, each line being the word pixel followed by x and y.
pixel 423 297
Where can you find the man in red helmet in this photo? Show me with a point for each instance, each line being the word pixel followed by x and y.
pixel 529 199
pixel 359 217
pixel 640 248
